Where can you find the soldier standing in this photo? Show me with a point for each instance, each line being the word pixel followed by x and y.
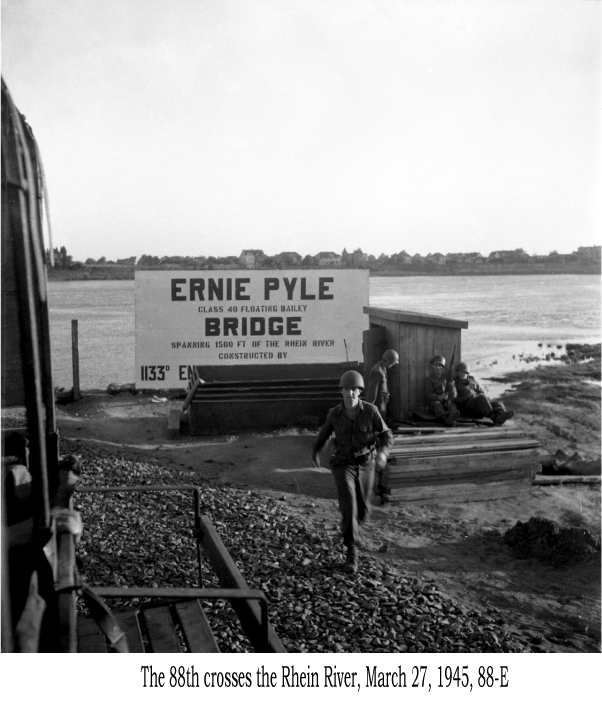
pixel 378 387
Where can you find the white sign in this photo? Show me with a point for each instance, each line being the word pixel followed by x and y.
pixel 186 318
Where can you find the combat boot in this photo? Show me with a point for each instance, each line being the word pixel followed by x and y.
pixel 502 415
pixel 351 559
pixel 452 417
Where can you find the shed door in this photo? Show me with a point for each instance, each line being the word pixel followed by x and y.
pixel 373 346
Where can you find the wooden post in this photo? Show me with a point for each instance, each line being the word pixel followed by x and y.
pixel 75 360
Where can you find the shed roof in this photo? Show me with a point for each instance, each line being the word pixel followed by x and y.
pixel 414 317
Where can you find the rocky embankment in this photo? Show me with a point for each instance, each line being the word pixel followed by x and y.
pixel 144 539
pixel 559 404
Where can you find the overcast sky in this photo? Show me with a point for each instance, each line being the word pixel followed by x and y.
pixel 205 127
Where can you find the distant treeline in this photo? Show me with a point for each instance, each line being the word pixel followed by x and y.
pixel 585 260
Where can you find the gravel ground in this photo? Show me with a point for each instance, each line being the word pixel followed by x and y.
pixel 144 539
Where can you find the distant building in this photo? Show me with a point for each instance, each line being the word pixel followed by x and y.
pixel 328 258
pixel 130 261
pixel 473 257
pixel 402 258
pixel 589 254
pixel 289 258
pixel 511 256
pixel 436 258
pixel 358 258
pixel 251 258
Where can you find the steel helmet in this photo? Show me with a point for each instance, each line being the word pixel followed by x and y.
pixel 391 357
pixel 463 367
pixel 351 378
pixel 438 358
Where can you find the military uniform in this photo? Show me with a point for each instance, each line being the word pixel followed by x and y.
pixel 353 461
pixel 378 388
pixel 434 388
pixel 472 401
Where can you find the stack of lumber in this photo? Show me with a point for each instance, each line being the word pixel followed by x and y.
pixel 462 465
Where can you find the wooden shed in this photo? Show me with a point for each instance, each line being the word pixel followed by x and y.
pixel 416 337
pixel 434 465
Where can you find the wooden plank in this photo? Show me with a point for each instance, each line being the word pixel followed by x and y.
pixel 403 376
pixel 472 497
pixel 458 435
pixel 529 454
pixel 292 382
pixel 461 478
pixel 173 422
pixel 373 346
pixel 268 387
pixel 464 488
pixel 413 459
pixel 196 628
pixel 329 400
pixel 248 612
pixel 75 359
pixel 435 477
pixel 161 632
pixel 405 429
pixel 472 461
pixel 556 480
pixel 486 449
pixel 128 622
pixel 498 463
pixel 501 446
pixel 470 477
pixel 459 494
pixel 479 479
pixel 413 375
pixel 398 394
pixel 445 341
pixel 90 638
pixel 65 577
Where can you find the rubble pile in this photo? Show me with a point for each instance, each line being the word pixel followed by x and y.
pixel 546 540
pixel 145 539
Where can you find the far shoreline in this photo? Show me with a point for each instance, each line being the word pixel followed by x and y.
pixel 114 272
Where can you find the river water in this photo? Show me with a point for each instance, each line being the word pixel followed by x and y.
pixel 510 319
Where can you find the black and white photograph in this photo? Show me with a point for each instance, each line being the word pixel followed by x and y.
pixel 301 349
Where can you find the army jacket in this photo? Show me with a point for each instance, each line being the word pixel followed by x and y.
pixel 467 389
pixel 355 439
pixel 377 384
pixel 434 388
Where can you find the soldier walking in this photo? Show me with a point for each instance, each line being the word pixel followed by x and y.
pixel 361 441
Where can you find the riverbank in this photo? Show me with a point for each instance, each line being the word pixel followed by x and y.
pixel 559 405
pixel 456 549
pixel 117 272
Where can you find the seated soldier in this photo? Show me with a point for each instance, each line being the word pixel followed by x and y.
pixel 439 395
pixel 472 401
